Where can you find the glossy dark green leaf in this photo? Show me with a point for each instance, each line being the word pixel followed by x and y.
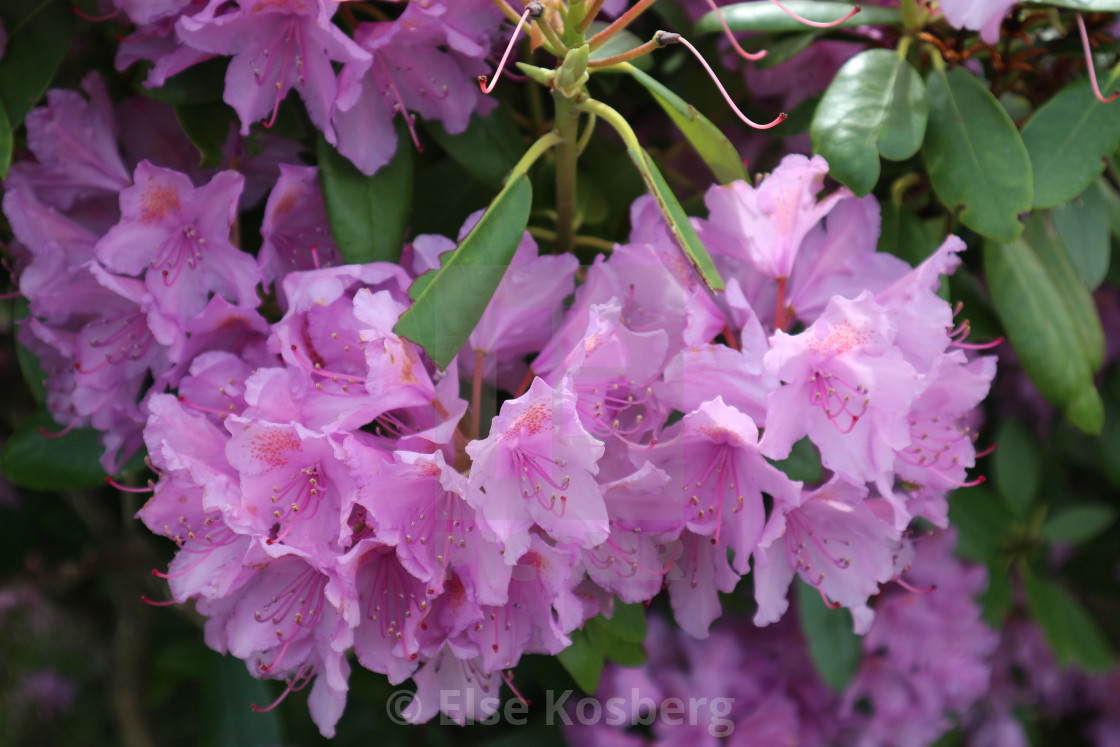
pixel 451 300
pixel 765 16
pixel 835 650
pixel 781 47
pixel 1087 6
pixel 974 155
pixel 487 149
pixel 803 463
pixel 1043 239
pixel 627 623
pixel 199 84
pixel 230 697
pixel 583 661
pixel 676 218
pixel 1083 226
pixel 712 145
pixel 876 104
pixel 38 36
pixel 1044 328
pixel 983 521
pixel 32 460
pixel 1079 524
pixel 1073 635
pixel 997 600
pixel 1017 467
pixel 903 234
pixel 368 215
pixel 207 126
pixel 6 144
pixel 613 648
pixel 1068 139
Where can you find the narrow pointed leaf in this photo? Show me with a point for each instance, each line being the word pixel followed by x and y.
pixel 368 215
pixel 1073 635
pixel 765 16
pixel 451 300
pixel 584 661
pixel 712 145
pixel 975 157
pixel 679 225
pixel 1068 140
pixel 1079 524
pixel 876 104
pixel 207 126
pixel 1017 467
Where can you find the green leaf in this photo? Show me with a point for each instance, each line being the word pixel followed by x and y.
pixel 1079 524
pixel 997 600
pixel 876 104
pixel 803 463
pixel 38 37
pixel 7 143
pixel 1072 633
pixel 983 522
pixel 627 623
pixel 613 648
pixel 487 149
pixel 1088 6
pixel 833 647
pixel 975 156
pixel 710 144
pixel 1017 467
pixel 1042 237
pixel 198 84
pixel 765 16
pixel 583 661
pixel 368 215
pixel 676 218
pixel 781 48
pixel 1043 326
pixel 1068 139
pixel 904 235
pixel 1083 227
pixel 230 697
pixel 32 460
pixel 451 300
pixel 207 126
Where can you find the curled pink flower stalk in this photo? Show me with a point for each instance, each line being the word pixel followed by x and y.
pixel 752 56
pixel 726 96
pixel 1089 64
pixel 816 24
pixel 482 84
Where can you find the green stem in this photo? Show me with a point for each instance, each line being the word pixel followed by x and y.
pixel 592 242
pixel 616 120
pixel 588 131
pixel 567 125
pixel 633 54
pixel 558 47
pixel 589 16
pixel 909 8
pixel 536 150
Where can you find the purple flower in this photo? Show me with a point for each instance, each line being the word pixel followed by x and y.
pixel 276 44
pixel 177 237
pixel 984 16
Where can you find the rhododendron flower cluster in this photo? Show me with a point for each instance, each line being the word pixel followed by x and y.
pixel 328 491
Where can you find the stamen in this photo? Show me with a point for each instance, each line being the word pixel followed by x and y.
pixel 898 580
pixel 124 488
pixel 87 17
pixel 1090 66
pixel 726 96
pixel 509 48
pixel 752 56
pixel 816 24
pixel 153 603
pixel 44 432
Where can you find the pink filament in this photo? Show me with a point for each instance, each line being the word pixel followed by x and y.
pixel 1089 64
pixel 726 96
pixel 753 56
pixel 509 48
pixel 816 24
